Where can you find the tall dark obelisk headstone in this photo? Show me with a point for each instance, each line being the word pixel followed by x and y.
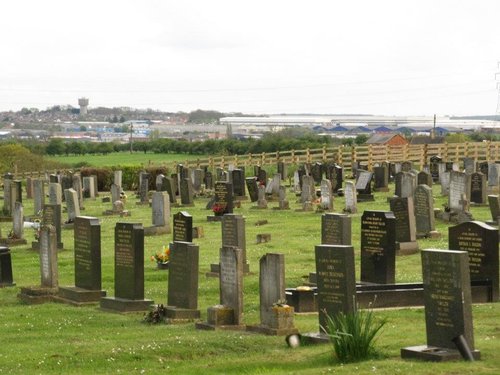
pixel 129 270
pixel 87 240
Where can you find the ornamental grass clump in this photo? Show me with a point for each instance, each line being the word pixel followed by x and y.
pixel 353 335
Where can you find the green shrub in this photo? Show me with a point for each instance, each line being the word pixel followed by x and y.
pixel 353 335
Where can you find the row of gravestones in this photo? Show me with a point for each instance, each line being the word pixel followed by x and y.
pixel 182 297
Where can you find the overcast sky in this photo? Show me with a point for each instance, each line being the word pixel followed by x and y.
pixel 379 57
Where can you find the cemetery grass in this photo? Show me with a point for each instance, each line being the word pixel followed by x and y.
pixel 57 338
pixel 124 159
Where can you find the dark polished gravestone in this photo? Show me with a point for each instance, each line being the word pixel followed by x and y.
pixel 363 186
pixel 183 227
pixel 129 271
pixel 478 188
pixel 448 310
pixel 229 313
pixel 336 286
pixel 238 178
pixel 252 188
pixel 223 200
pixel 182 298
pixel 381 178
pixel 87 289
pixel 406 238
pixel 6 278
pixel 481 243
pixel 276 317
pixel 48 270
pixel 187 193
pixel 378 247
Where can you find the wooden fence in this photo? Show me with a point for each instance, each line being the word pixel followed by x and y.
pixel 345 155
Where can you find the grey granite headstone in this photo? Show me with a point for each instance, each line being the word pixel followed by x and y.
pixel 117 178
pixel 48 257
pixel 351 204
pixel 424 211
pixel 187 192
pixel 18 221
pixel 448 310
pixel 326 195
pixel 493 173
pixel 72 204
pixel 88 187
pixel 38 196
pixel 160 205
pixel 459 185
pixel 336 281
pixel 233 233
pixel 87 241
pixel 182 297
pixel 444 180
pixel 335 229
pixel 55 193
pixel 494 204
pixel 231 281
pixel 403 210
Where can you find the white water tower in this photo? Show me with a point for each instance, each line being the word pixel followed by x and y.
pixel 83 103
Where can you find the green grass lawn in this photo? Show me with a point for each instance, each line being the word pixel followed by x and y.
pixel 57 338
pixel 124 158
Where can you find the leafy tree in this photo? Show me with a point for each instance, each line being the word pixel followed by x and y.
pixel 55 147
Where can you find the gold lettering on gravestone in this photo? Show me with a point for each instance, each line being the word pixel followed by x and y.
pixel 124 252
pixel 443 284
pixel 331 272
pixel 332 231
pixel 179 230
pixel 373 232
pixel 472 243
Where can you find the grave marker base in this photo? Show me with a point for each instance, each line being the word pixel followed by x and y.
pixel 35 245
pixel 302 300
pixel 365 198
pixel 315 338
pixel 35 295
pixel 12 242
pixel 76 296
pixel 434 354
pixel 214 218
pixel 156 230
pixel 179 315
pixel 122 305
pixel 406 248
pixel 118 213
pixel 265 330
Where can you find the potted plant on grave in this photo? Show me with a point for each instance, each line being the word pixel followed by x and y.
pixel 161 258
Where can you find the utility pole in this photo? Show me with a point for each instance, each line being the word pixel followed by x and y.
pixel 497 80
pixel 130 139
pixel 433 133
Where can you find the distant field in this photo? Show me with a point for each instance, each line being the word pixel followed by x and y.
pixel 124 158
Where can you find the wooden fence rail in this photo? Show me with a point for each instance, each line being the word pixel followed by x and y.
pixel 346 155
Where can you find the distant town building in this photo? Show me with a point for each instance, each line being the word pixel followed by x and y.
pixel 84 104
pixel 387 139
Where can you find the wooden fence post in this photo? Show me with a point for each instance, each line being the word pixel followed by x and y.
pixel 324 154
